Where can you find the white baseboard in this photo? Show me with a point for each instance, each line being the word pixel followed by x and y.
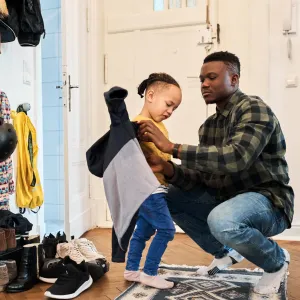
pixel 80 224
pixel 292 234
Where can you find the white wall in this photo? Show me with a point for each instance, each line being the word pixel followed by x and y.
pixel 285 101
pixel 252 29
pixel 11 82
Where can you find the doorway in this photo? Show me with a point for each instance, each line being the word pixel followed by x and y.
pixel 53 125
pixel 158 36
pixel 65 87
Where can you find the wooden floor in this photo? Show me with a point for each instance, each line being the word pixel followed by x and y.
pixel 180 251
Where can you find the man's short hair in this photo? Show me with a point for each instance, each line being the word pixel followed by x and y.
pixel 229 59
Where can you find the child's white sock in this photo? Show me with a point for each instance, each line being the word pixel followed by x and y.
pixel 132 275
pixel 155 281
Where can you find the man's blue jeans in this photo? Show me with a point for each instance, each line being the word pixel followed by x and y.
pixel 243 223
pixel 154 216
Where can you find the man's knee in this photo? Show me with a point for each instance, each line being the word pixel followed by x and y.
pixel 222 226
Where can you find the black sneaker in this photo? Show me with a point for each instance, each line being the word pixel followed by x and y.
pixel 49 244
pixel 62 238
pixel 96 269
pixel 51 270
pixel 71 284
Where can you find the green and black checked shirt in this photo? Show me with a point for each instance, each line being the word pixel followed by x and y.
pixel 241 149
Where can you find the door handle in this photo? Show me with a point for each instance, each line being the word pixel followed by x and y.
pixel 70 88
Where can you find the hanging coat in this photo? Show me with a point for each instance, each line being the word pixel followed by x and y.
pixel 7 186
pixel 29 193
pixel 118 158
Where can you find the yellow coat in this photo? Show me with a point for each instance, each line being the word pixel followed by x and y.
pixel 29 193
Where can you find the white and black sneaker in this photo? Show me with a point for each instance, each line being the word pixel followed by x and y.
pixel 51 270
pixel 218 264
pixel 71 284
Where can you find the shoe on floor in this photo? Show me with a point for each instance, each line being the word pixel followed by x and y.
pixel 97 268
pixel 61 238
pixel 88 249
pixel 51 270
pixel 71 250
pixel 218 264
pixel 49 244
pixel 28 270
pixel 4 278
pixel 11 267
pixel 270 282
pixel 71 284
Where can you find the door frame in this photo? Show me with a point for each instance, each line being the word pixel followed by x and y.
pixel 86 82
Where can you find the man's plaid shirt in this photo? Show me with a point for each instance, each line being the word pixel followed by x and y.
pixel 241 149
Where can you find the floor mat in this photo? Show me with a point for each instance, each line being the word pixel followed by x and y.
pixel 229 284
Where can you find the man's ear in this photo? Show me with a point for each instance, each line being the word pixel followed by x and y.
pixel 149 95
pixel 235 79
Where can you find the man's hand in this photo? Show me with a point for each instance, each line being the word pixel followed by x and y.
pixel 148 132
pixel 158 165
pixel 155 163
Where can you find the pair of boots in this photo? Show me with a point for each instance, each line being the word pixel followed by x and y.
pixel 8 272
pixel 7 239
pixel 50 243
pixel 32 258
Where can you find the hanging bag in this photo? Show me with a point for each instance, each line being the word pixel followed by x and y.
pixel 31 23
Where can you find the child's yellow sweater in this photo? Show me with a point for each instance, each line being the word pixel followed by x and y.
pixel 150 147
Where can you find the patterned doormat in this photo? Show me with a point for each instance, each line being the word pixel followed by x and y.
pixel 229 284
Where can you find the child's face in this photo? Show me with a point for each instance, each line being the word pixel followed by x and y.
pixel 162 101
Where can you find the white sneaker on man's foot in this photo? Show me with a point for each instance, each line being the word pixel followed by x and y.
pixel 218 264
pixel 270 282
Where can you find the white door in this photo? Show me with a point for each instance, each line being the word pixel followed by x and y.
pixel 75 96
pixel 141 40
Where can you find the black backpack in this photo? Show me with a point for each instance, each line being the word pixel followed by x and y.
pixel 25 22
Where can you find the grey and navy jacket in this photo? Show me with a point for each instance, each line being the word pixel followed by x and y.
pixel 118 158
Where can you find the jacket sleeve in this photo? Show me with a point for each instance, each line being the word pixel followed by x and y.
pixel 248 137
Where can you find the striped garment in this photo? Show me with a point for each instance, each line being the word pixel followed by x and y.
pixel 241 149
pixel 7 186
